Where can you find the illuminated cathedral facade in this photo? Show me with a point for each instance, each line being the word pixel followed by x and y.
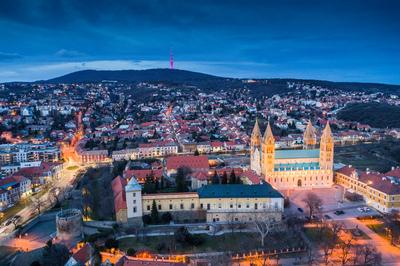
pixel 306 168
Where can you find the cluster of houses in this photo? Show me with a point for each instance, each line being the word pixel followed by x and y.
pixel 25 168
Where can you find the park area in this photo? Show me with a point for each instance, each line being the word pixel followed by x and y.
pixel 378 156
pixel 201 243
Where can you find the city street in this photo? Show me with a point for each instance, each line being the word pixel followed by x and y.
pixel 64 184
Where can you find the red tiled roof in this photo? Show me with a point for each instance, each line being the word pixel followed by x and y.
pixel 395 172
pixel 378 181
pixel 200 175
pixel 83 255
pixel 252 176
pixel 191 161
pixel 141 174
pixel 216 144
pixel 118 187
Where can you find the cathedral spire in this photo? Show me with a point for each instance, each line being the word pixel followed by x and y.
pixel 256 130
pixel 255 139
pixel 327 132
pixel 309 136
pixel 268 135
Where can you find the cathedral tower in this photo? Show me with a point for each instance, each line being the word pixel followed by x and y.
pixel 309 137
pixel 326 149
pixel 255 149
pixel 268 151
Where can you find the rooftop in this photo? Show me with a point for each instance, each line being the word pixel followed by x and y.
pixel 294 154
pixel 238 191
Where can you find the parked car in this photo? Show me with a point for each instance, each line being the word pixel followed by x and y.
pixel 300 209
pixel 339 212
pixel 327 217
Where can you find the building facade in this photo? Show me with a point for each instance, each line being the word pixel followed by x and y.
pixel 211 203
pixel 380 191
pixel 295 168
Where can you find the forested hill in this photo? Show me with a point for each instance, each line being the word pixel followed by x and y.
pixel 260 87
pixel 378 115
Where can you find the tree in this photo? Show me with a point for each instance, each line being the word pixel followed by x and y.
pixel 313 202
pixel 329 239
pixel 263 226
pixel 111 243
pixel 345 248
pixel 180 179
pixel 154 213
pixel 367 255
pixel 392 223
pixel 37 204
pixel 215 179
pixel 131 252
pixel 232 177
pixel 166 217
pixel 149 185
pixel 56 196
pixel 224 179
pixel 55 254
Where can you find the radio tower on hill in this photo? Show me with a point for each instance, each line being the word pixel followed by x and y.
pixel 171 60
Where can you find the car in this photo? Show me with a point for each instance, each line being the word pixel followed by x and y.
pixel 326 216
pixel 8 222
pixel 339 212
pixel 300 209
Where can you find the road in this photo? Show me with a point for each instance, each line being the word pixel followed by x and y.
pixel 64 184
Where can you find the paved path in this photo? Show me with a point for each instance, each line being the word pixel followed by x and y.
pixel 390 254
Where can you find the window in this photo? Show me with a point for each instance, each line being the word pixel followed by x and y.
pixel 170 207
pixel 201 205
pixel 231 206
pixel 219 206
pixel 247 205
pixel 255 206
pixel 148 207
pixel 134 209
pixel 134 201
pixel 192 206
pixel 182 206
pixel 239 206
pixel 134 194
pixel 208 206
pixel 159 206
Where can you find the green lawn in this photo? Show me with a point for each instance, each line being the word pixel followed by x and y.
pixel 73 167
pixel 236 242
pixel 315 235
pixel 379 229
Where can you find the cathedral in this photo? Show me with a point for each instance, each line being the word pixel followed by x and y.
pixel 306 168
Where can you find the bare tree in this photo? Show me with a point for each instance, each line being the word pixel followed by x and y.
pixel 38 204
pixel 55 196
pixel 345 249
pixel 313 202
pixel 330 240
pixel 367 255
pixel 263 225
pixel 231 223
pixel 392 223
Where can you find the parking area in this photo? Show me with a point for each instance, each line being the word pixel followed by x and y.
pixel 332 201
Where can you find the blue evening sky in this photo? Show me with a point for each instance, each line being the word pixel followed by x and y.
pixel 340 40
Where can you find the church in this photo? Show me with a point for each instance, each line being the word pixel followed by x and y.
pixel 306 168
